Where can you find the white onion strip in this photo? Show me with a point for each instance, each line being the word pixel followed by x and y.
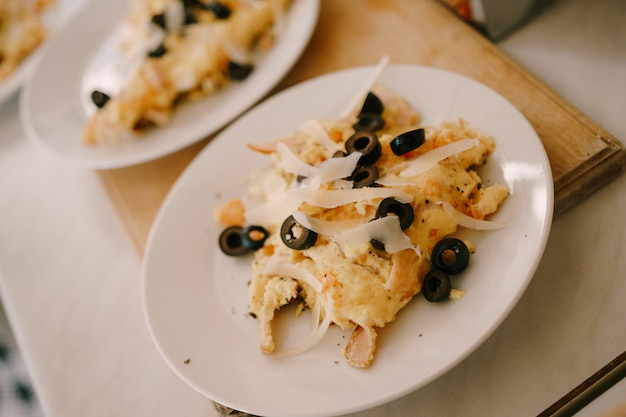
pixel 366 87
pixel 315 336
pixel 316 132
pixel 326 227
pixel 336 198
pixel 275 266
pixel 273 211
pixel 428 160
pixel 386 230
pixel 329 170
pixel 469 222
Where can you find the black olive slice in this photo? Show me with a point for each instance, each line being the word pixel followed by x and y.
pixel 450 255
pixel 231 242
pixel 253 237
pixel 99 98
pixel 159 20
pixel 157 52
pixel 239 72
pixel 436 286
pixel 369 121
pixel 296 236
pixel 364 176
pixel 367 143
pixel 190 13
pixel 339 154
pixel 407 141
pixel 372 104
pixel 404 211
pixel 219 10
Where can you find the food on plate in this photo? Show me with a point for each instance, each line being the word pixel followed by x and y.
pixel 355 217
pixel 22 30
pixel 181 50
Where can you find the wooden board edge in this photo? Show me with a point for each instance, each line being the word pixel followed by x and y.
pixel 611 165
pixel 123 212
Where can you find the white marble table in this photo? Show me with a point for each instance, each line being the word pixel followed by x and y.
pixel 69 277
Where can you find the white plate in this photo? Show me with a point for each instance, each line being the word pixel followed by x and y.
pixel 195 298
pixel 54 18
pixel 52 106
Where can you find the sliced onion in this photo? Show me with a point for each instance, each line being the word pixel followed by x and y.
pixel 391 180
pixel 292 164
pixel 275 209
pixel 428 160
pixel 278 266
pixel 386 230
pixel 315 130
pixel 316 335
pixel 366 87
pixel 469 222
pixel 329 170
pixel 326 227
pixel 175 16
pixel 336 198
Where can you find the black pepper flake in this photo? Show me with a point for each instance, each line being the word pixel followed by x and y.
pixel 23 392
pixel 186 361
pixel 158 52
pixel 4 353
pixel 159 20
pixel 479 186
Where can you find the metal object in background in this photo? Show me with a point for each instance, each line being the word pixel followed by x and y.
pixel 496 18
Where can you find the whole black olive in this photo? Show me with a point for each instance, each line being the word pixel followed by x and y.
pixel 367 143
pixel 369 121
pixel 157 52
pixel 239 72
pixel 231 242
pixel 436 286
pixel 404 211
pixel 296 236
pixel 450 255
pixel 372 104
pixel 99 98
pixel 253 237
pixel 364 176
pixel 407 141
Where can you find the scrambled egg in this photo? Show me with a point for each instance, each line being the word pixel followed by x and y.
pixel 186 49
pixel 21 32
pixel 358 285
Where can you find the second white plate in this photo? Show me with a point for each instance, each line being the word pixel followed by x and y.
pixel 52 110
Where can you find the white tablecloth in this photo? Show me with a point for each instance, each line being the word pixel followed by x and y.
pixel 69 277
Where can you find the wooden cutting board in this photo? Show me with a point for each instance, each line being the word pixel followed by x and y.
pixel 352 33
